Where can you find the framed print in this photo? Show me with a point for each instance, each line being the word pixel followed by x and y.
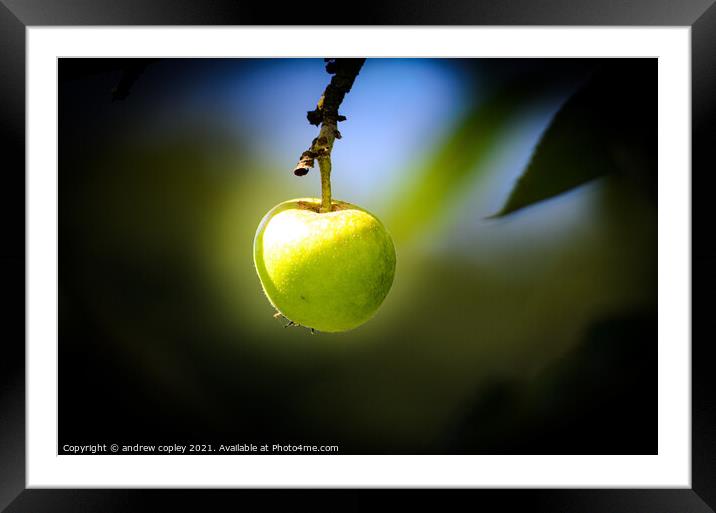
pixel 451 248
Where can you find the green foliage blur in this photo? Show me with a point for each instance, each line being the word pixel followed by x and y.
pixel 530 332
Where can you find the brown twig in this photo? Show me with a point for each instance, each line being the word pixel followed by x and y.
pixel 326 115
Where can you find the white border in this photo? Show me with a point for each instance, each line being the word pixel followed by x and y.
pixel 671 468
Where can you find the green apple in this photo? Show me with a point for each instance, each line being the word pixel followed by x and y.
pixel 328 271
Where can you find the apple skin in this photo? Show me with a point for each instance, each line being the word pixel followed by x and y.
pixel 327 271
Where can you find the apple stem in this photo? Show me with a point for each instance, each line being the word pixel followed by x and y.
pixel 325 166
pixel 326 115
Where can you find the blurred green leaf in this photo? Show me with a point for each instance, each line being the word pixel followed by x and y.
pixel 468 147
pixel 608 125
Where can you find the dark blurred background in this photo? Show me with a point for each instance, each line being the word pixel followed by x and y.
pixel 533 333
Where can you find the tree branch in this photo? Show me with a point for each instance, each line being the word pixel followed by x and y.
pixel 326 114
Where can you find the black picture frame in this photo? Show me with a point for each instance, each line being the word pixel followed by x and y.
pixel 17 15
